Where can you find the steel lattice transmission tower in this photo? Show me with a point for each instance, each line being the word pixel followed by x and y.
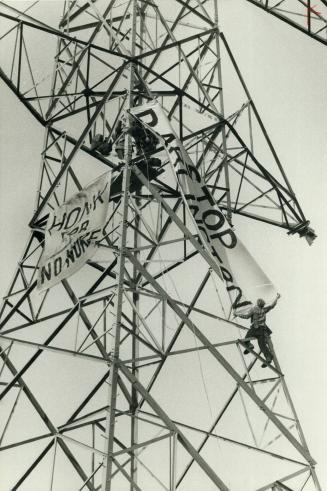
pixel 310 19
pixel 130 374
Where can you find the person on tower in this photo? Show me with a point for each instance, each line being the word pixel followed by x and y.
pixel 259 328
pixel 101 144
pixel 145 143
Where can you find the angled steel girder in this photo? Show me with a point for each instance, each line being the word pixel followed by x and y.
pixel 213 351
pixel 308 13
pixel 301 224
pixel 44 418
pixel 134 275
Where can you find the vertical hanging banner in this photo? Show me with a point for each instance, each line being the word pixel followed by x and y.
pixel 72 233
pixel 243 277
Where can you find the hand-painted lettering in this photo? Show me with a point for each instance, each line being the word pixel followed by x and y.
pixel 57 225
pixel 149 113
pixel 206 196
pixel 57 266
pixel 213 219
pixel 236 304
pixel 222 237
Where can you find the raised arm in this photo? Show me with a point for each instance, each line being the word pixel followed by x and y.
pixel 273 304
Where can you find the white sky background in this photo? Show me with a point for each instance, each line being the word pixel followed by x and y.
pixel 286 74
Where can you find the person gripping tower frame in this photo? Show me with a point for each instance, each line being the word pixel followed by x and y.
pixel 259 328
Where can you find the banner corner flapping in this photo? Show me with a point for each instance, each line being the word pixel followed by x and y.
pixel 234 265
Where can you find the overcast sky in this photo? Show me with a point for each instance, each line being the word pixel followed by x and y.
pixel 286 74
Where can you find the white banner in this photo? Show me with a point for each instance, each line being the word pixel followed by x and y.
pixel 243 277
pixel 72 232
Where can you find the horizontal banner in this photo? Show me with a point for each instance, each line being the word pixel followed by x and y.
pixel 72 232
pixel 243 277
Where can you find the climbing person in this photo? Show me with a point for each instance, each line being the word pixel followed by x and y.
pixel 145 141
pixel 97 141
pixel 259 328
pixel 119 137
pixel 101 144
pixel 149 168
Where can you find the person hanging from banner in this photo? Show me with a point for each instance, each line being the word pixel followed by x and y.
pixel 259 328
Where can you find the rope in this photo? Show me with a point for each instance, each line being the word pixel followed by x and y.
pixel 77 325
pixel 217 292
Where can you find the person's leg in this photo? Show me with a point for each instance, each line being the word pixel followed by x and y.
pixel 120 153
pixel 264 346
pixel 249 345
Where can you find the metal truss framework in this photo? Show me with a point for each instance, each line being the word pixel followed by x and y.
pixel 306 16
pixel 127 324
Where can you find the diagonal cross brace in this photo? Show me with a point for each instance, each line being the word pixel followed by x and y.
pixel 172 426
pixel 45 419
pixel 224 363
pixel 78 144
